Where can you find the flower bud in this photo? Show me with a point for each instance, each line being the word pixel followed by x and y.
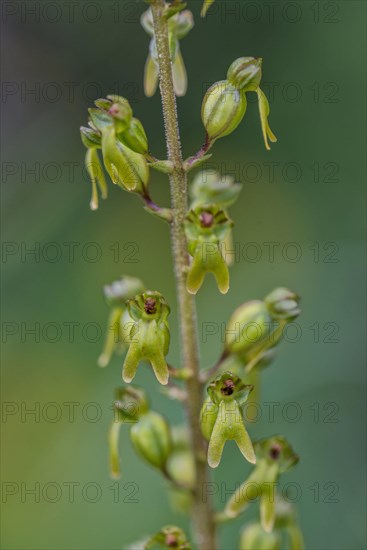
pixel 181 24
pixel 149 336
pixel 100 119
pixel 91 138
pixel 206 228
pixel 167 538
pixel 257 326
pixel 254 537
pixel 118 292
pixel 127 169
pixel 245 73
pixel 121 112
pixel 151 438
pixel 249 325
pixel 223 109
pixel 222 417
pixel 283 304
pixel 209 187
pixel 135 137
pixel 274 456
pixel 130 404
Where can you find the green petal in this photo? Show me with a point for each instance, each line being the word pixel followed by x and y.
pixel 150 77
pixel 131 363
pixel 248 491
pixel 244 443
pixel 216 443
pixel 296 541
pixel 179 75
pixel 206 6
pixel 267 500
pixel 113 441
pixel 160 368
pixel 112 337
pixel 196 275
pixel 221 275
pixel 264 110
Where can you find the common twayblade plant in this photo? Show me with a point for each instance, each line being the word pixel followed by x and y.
pixel 138 325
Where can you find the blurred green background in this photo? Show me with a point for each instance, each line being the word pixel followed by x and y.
pixel 305 197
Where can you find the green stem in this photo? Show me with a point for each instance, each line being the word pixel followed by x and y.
pixel 202 514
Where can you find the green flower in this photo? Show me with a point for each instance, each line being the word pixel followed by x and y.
pixel 168 537
pixel 124 145
pixel 119 321
pixel 206 227
pixel 210 188
pixel 130 403
pixel 274 456
pixel 179 25
pixel 149 336
pixel 222 417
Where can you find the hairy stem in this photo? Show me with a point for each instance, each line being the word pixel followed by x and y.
pixel 202 514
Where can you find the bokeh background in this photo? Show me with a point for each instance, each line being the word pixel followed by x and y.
pixel 305 197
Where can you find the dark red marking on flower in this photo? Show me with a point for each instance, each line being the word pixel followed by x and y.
pixel 275 451
pixel 171 540
pixel 150 306
pixel 228 387
pixel 206 219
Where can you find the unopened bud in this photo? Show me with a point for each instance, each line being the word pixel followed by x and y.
pixel 135 137
pixel 91 138
pixel 209 187
pixel 121 112
pixel 283 304
pixel 223 109
pixel 127 169
pixel 245 73
pixel 151 438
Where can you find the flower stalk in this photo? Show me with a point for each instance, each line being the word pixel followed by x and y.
pixel 202 514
